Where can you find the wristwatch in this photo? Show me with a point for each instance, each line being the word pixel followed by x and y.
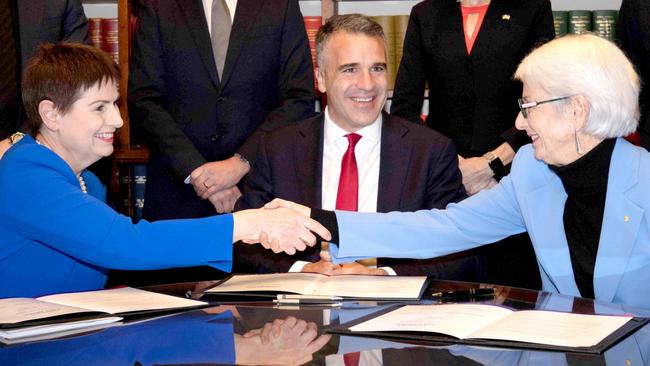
pixel 495 163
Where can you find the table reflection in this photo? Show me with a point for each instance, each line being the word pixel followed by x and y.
pixel 263 334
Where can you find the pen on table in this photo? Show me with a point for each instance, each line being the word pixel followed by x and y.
pixel 468 293
pixel 307 299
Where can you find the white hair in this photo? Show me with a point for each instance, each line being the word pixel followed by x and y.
pixel 595 68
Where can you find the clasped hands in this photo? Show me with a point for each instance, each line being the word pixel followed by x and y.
pixel 281 226
pixel 217 181
pixel 324 265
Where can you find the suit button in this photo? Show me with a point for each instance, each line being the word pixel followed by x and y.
pixel 215 137
pixel 220 99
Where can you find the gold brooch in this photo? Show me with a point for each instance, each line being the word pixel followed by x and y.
pixel 505 17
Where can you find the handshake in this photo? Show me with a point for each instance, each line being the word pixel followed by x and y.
pixel 282 226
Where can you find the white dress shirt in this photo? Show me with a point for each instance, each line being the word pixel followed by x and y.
pixel 367 153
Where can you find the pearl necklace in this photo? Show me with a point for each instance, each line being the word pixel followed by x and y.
pixel 82 182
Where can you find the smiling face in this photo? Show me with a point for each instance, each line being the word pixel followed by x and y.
pixel 353 74
pixel 552 132
pixel 85 133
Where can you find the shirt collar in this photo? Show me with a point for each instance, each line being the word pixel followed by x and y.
pixel 332 132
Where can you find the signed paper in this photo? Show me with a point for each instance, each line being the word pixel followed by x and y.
pixel 480 321
pixel 356 286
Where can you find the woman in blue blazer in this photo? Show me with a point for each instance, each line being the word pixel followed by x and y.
pixel 580 190
pixel 56 233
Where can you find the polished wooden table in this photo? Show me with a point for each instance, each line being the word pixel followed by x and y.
pixel 230 331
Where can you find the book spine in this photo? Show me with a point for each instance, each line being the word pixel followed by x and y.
pixel 386 22
pixel 604 23
pixel 125 204
pixel 561 23
pixel 312 24
pixel 579 21
pixel 139 182
pixel 95 31
pixel 400 23
pixel 109 42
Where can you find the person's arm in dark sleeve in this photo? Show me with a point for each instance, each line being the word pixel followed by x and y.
pixel 146 85
pixel 295 83
pixel 75 24
pixel 328 220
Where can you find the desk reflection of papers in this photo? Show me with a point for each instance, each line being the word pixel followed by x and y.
pixel 488 323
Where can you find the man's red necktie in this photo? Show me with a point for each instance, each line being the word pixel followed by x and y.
pixel 347 197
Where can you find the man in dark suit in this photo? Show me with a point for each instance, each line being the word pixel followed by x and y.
pixel 401 166
pixel 200 115
pixel 24 24
pixel 634 35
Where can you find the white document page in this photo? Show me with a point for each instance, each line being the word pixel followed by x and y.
pixel 57 328
pixel 458 320
pixel 555 328
pixel 393 287
pixel 120 300
pixel 16 310
pixel 493 322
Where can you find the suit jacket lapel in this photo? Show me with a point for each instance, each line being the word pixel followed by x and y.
pixel 620 223
pixel 32 14
pixel 544 206
pixel 492 25
pixel 453 26
pixel 394 153
pixel 245 17
pixel 195 19
pixel 308 155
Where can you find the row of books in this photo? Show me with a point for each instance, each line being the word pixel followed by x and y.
pixel 103 33
pixel 600 22
pixel 133 178
pixel 394 27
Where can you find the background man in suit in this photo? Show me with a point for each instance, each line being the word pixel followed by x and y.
pixel 400 165
pixel 24 24
pixel 634 34
pixel 201 93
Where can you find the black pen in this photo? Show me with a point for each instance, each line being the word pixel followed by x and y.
pixel 468 293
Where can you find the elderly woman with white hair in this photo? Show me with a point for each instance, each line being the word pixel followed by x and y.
pixel 580 190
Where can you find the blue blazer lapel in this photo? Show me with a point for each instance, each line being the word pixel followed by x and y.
pixel 621 221
pixel 543 208
pixel 393 154
pixel 308 155
pixel 245 18
pixel 195 19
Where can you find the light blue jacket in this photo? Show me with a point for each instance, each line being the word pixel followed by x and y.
pixel 530 199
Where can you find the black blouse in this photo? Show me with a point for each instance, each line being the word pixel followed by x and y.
pixel 585 181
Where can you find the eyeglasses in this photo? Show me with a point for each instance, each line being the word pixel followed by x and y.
pixel 524 106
